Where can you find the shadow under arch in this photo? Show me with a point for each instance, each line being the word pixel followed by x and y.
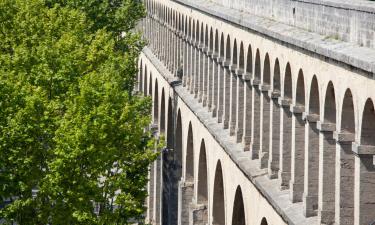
pixel 162 112
pixel 202 175
pixel 238 216
pixel 218 207
pixel 189 162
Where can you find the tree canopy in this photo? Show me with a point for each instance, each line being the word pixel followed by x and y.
pixel 73 145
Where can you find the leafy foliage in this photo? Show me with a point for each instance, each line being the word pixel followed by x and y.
pixel 72 132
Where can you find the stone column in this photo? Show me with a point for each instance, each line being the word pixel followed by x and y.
pixel 364 195
pixel 344 199
pixel 240 106
pixel 233 100
pixel 264 126
pixel 215 86
pixel 198 214
pixel 226 95
pixel 186 192
pixel 197 71
pixel 186 62
pixel 202 67
pixel 255 130
pixel 327 156
pixel 286 143
pixel 210 84
pixel 191 68
pixel 274 148
pixel 311 183
pixel 158 191
pixel 220 91
pixel 151 195
pixel 298 154
pixel 247 117
pixel 206 71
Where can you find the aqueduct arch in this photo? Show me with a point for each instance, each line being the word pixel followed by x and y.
pixel 238 216
pixel 218 207
pixel 310 197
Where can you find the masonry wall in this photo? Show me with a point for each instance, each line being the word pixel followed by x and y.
pixel 352 21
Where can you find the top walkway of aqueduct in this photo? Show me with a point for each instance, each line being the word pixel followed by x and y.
pixel 340 31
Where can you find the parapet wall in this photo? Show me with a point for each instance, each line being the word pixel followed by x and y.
pixel 350 21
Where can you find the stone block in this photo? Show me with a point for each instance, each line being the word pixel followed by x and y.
pixel 363 149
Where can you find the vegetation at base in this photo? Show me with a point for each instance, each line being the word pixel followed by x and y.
pixel 73 145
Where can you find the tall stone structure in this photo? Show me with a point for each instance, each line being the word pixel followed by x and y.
pixel 267 108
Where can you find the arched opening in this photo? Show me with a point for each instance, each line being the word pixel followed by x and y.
pixel 218 207
pixel 310 200
pixel 150 86
pixel 345 170
pixel 178 146
pixel 264 221
pixel 266 70
pixel 256 109
pixel 265 114
pixel 365 169
pixel 189 176
pixel 273 165
pixel 234 61
pixel 140 76
pixel 228 49
pixel 170 131
pixel 327 197
pixel 285 157
pixel 197 32
pixel 368 124
pixel 257 66
pixel 162 112
pixel 202 175
pixel 156 103
pixel 206 41
pixel 222 45
pixel 298 140
pixel 144 84
pixel 238 217
pixel 248 100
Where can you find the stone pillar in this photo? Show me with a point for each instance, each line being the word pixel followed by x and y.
pixel 327 150
pixel 298 154
pixel 201 76
pixel 206 70
pixel 247 117
pixel 364 195
pixel 191 68
pixel 226 95
pixel 186 192
pixel 344 199
pixel 198 214
pixel 158 192
pixel 220 91
pixel 197 71
pixel 286 143
pixel 186 62
pixel 151 195
pixel 255 121
pixel 210 84
pixel 215 86
pixel 240 106
pixel 233 100
pixel 274 151
pixel 311 183
pixel 264 126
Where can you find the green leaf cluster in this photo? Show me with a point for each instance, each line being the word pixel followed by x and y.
pixel 73 144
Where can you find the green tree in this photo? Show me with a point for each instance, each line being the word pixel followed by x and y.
pixel 72 132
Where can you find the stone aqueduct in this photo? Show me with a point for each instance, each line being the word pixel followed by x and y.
pixel 259 130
